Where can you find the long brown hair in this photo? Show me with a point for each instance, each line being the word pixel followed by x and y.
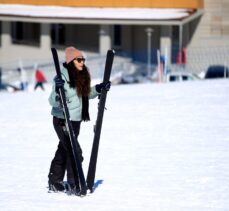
pixel 81 80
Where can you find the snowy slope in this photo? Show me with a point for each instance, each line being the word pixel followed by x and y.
pixel 163 147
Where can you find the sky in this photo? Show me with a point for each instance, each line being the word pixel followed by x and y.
pixel 164 146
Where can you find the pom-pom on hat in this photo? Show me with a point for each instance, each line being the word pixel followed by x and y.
pixel 72 53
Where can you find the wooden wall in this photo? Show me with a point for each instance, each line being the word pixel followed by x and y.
pixel 114 3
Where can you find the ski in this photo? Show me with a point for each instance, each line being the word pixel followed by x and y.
pixel 99 120
pixel 72 137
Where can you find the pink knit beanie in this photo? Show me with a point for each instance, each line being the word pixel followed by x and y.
pixel 72 53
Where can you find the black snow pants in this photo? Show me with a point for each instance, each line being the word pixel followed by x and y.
pixel 63 159
pixel 39 84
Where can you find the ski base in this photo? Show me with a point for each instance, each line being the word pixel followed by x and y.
pixel 98 126
pixel 68 190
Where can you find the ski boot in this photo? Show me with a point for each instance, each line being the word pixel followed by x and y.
pixel 72 189
pixel 56 187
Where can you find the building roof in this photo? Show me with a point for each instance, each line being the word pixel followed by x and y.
pixel 58 14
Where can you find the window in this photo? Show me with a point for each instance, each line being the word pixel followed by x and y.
pixel 0 33
pixel 58 34
pixel 186 78
pixel 175 43
pixel 174 78
pixel 25 33
pixel 117 36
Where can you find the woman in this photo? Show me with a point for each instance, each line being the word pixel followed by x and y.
pixel 76 83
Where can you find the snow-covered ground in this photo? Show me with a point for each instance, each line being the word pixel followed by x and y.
pixel 163 147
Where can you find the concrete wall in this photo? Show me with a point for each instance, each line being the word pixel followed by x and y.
pixel 209 43
pixel 213 28
pixel 16 52
pixel 83 36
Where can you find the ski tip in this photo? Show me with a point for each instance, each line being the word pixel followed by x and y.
pixel 53 50
pixel 111 51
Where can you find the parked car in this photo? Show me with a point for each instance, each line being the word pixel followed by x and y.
pixel 181 76
pixel 128 79
pixel 217 71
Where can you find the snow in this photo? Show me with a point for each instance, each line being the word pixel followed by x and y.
pixel 163 147
pixel 93 13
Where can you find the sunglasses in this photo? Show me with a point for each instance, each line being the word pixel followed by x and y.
pixel 79 60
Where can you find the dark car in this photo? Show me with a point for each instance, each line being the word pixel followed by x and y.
pixel 217 71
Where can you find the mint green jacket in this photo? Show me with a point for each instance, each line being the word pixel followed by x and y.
pixel 74 102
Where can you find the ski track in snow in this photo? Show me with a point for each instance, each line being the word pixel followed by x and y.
pixel 162 147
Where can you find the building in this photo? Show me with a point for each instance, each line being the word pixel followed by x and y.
pixel 135 29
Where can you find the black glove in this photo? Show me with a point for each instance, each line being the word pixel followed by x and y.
pixel 106 86
pixel 58 82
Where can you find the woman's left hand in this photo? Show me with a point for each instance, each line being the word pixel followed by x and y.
pixel 106 86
